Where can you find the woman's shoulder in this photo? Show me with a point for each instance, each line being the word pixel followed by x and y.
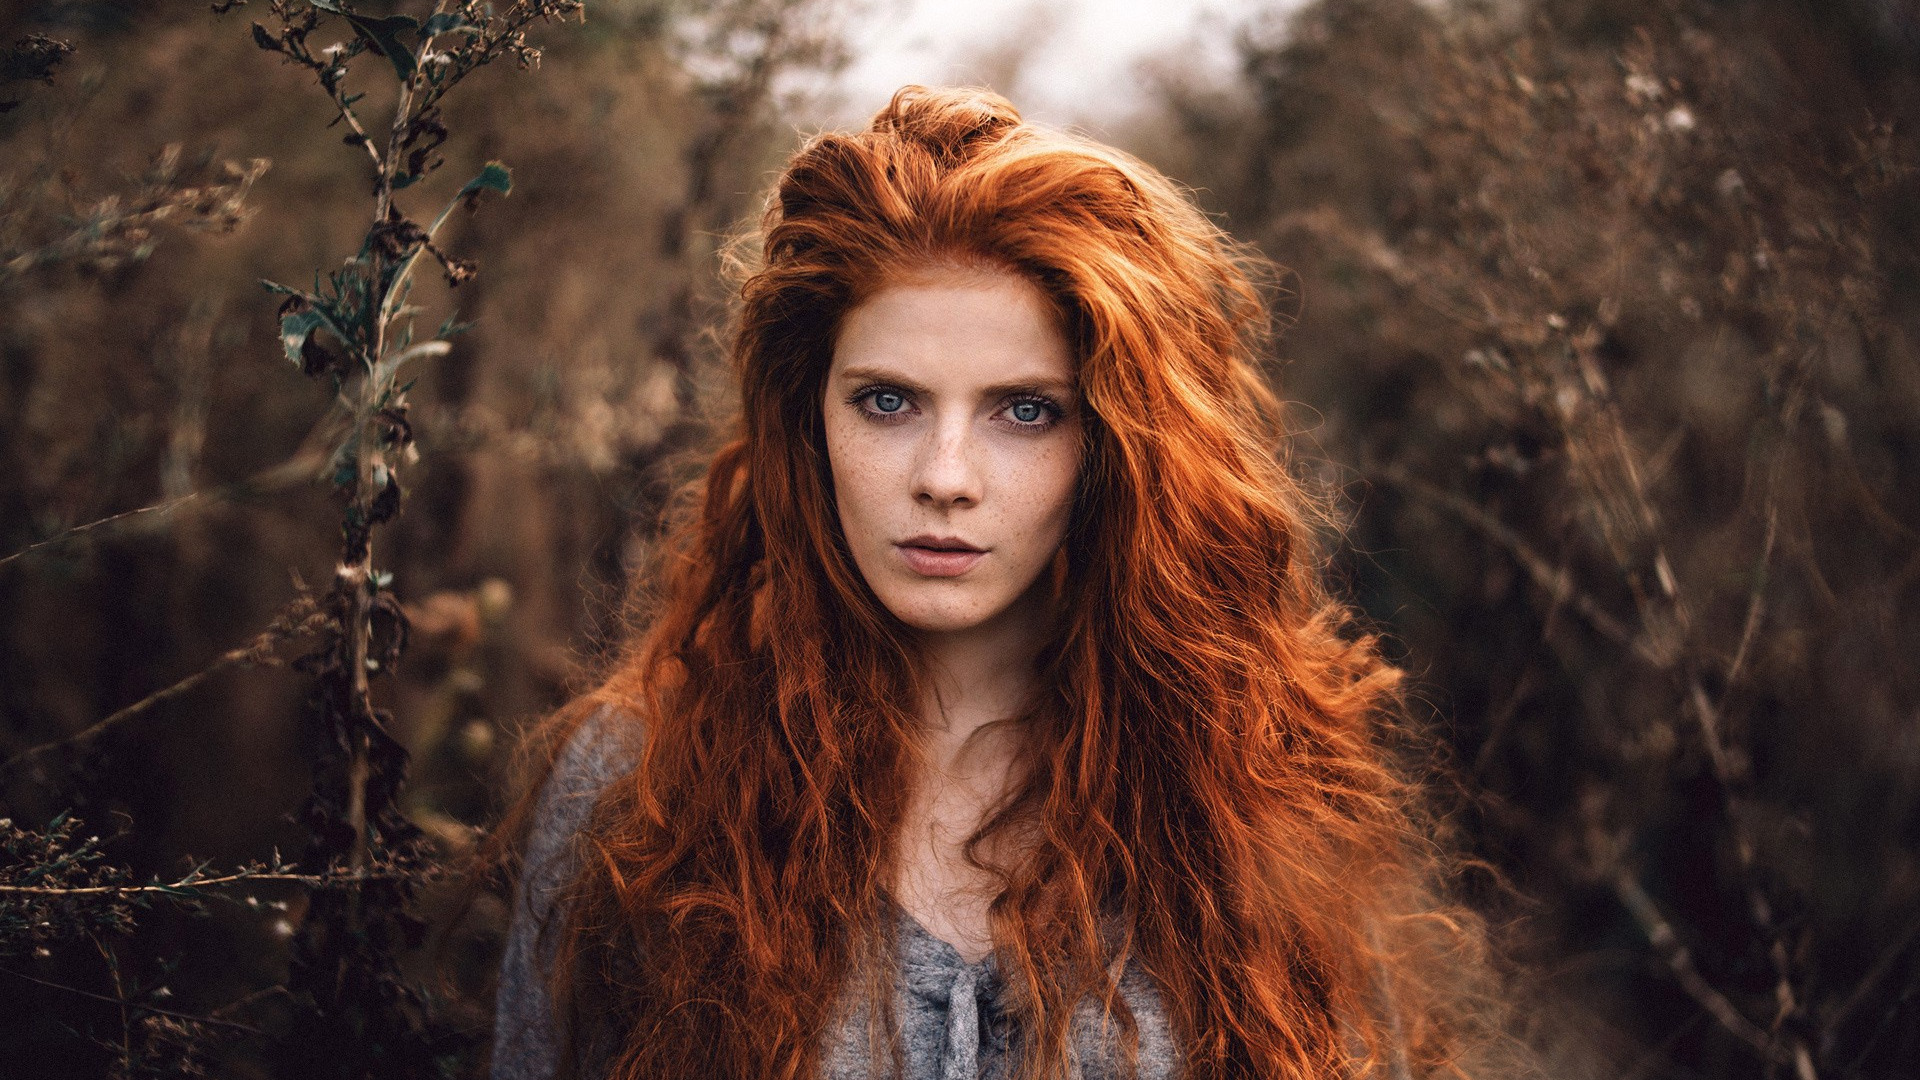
pixel 604 747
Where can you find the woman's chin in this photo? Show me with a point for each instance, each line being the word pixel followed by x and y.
pixel 936 620
pixel 944 610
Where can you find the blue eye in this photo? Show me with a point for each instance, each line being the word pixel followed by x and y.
pixel 887 401
pixel 1029 412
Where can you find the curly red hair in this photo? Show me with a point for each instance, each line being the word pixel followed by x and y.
pixel 1210 771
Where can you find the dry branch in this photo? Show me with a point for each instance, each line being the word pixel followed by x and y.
pixel 1557 582
pixel 298 619
pixel 185 886
pixel 123 1003
pixel 1661 935
pixel 295 470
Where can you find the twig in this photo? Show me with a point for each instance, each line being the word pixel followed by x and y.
pixel 187 884
pixel 78 530
pixel 119 992
pixel 1756 602
pixel 1881 968
pixel 1727 775
pixel 1667 608
pixel 125 1004
pixel 1887 1018
pixel 1655 1056
pixel 295 469
pixel 1558 583
pixel 1502 721
pixel 1661 935
pixel 353 123
pixel 297 619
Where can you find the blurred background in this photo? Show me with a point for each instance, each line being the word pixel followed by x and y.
pixel 1603 326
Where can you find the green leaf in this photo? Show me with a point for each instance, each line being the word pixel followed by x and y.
pixel 427 350
pixel 446 22
pixel 345 471
pixel 296 327
pixel 495 177
pixel 383 35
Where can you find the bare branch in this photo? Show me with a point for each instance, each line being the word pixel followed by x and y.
pixel 298 619
pixel 1614 476
pixel 1557 582
pixel 188 884
pixel 79 530
pixel 1756 601
pixel 1661 935
pixel 139 1006
pixel 1880 970
pixel 341 103
pixel 295 469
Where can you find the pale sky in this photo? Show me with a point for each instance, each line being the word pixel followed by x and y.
pixel 1071 61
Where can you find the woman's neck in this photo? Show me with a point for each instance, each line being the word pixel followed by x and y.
pixel 975 682
pixel 974 678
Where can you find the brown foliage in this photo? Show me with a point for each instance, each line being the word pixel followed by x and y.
pixel 144 388
pixel 1611 309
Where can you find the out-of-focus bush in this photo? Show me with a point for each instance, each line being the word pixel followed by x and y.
pixel 1608 312
pixel 142 374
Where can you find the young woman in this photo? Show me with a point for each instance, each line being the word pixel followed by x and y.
pixel 993 719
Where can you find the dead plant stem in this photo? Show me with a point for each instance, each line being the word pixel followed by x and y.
pixel 1756 600
pixel 298 468
pixel 1635 898
pixel 1668 612
pixel 78 530
pixel 1557 582
pixel 357 573
pixel 175 888
pixel 123 1003
pixel 296 620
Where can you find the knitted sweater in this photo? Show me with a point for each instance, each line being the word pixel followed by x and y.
pixel 952 1016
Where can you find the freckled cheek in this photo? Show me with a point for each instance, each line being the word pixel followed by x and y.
pixel 1037 490
pixel 867 479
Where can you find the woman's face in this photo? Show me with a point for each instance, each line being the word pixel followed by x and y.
pixel 953 432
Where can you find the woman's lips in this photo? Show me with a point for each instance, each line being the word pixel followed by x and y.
pixel 938 558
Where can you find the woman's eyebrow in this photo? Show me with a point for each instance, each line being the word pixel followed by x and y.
pixel 1050 387
pixel 880 375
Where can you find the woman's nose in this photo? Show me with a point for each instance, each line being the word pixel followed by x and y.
pixel 945 471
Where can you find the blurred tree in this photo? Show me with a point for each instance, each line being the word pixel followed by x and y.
pixel 140 393
pixel 1611 308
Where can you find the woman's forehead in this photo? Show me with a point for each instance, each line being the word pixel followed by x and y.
pixel 945 323
pixel 958 269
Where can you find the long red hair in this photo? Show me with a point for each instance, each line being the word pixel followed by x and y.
pixel 1211 790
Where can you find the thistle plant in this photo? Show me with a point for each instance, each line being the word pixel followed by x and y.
pixel 355 329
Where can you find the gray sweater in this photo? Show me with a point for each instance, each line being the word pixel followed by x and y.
pixel 953 1017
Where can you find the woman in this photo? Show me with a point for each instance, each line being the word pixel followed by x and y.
pixel 994 719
